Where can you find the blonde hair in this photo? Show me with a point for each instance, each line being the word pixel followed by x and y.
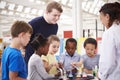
pixel 54 5
pixel 53 38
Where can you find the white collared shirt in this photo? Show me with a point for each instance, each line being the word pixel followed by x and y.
pixel 109 63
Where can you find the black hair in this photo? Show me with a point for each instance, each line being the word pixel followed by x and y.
pixel 38 41
pixel 71 40
pixel 90 41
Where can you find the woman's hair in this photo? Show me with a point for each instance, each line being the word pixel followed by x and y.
pixel 19 27
pixel 54 5
pixel 53 38
pixel 38 41
pixel 113 9
pixel 90 41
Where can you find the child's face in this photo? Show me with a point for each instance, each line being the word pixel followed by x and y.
pixel 25 37
pixel 54 46
pixel 90 49
pixel 104 19
pixel 45 50
pixel 70 48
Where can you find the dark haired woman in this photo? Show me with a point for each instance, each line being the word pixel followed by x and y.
pixel 109 64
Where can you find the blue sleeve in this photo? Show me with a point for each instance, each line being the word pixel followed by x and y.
pixel 16 63
pixel 61 58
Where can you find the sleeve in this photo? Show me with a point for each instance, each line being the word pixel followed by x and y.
pixel 42 72
pixel 44 58
pixel 15 63
pixel 107 56
pixel 56 28
pixel 61 58
pixel 83 58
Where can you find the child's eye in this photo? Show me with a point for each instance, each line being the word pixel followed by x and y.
pixel 87 49
pixel 54 46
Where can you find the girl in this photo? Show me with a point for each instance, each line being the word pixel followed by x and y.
pixel 50 61
pixel 36 70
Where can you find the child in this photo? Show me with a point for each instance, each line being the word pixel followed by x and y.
pixel 36 70
pixel 50 61
pixel 13 64
pixel 91 58
pixel 69 56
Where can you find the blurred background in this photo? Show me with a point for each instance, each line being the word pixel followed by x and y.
pixel 80 18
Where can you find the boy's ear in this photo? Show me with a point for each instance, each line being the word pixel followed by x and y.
pixel 21 34
pixel 46 12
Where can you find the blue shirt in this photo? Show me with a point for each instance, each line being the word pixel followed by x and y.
pixel 66 60
pixel 39 25
pixel 12 60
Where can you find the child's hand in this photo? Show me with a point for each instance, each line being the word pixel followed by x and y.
pixel 57 75
pixel 77 64
pixel 60 65
pixel 74 70
pixel 74 64
pixel 55 64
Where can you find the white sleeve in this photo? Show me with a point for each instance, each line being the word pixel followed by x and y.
pixel 107 56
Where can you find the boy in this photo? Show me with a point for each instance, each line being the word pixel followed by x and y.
pixel 91 58
pixel 13 64
pixel 70 56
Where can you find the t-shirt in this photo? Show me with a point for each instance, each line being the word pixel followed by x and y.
pixel 12 60
pixel 66 60
pixel 36 70
pixel 50 59
pixel 90 62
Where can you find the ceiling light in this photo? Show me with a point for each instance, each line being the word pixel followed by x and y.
pixel 40 12
pixel 11 6
pixel 27 10
pixel 28 16
pixel 38 1
pixel 19 8
pixel 3 12
pixel 17 13
pixel 96 10
pixel 64 2
pixel 2 4
pixel 22 15
pixel 10 13
pixel 34 11
pixel 31 0
pixel 57 0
